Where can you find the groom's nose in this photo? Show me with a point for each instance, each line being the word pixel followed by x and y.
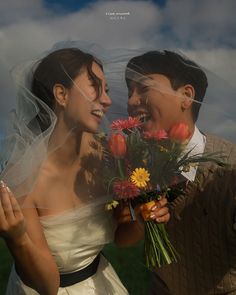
pixel 133 102
pixel 134 99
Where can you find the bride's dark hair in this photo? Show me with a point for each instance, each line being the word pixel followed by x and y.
pixel 61 67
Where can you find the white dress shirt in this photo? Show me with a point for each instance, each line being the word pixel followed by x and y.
pixel 196 145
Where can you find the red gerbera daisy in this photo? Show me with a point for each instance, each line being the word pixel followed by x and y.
pixel 129 123
pixel 125 189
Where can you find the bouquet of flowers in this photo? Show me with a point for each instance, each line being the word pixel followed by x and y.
pixel 139 167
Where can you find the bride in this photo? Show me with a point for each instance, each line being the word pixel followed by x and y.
pixel 57 227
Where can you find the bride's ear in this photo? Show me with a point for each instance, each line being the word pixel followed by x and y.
pixel 60 94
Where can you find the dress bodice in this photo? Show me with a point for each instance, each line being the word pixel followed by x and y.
pixel 76 236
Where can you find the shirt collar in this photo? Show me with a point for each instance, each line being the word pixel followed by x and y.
pixel 196 145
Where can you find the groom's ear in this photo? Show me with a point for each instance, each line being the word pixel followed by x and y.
pixel 188 93
pixel 60 94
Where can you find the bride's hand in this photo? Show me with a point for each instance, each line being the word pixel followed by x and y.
pixel 155 210
pixel 122 213
pixel 12 222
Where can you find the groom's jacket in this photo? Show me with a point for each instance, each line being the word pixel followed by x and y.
pixel 202 229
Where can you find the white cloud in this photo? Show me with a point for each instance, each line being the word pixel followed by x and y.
pixel 31 36
pixel 28 29
pixel 16 11
pixel 201 24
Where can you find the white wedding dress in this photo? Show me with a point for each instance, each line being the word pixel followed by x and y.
pixel 75 238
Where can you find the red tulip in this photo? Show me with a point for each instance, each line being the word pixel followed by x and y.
pixel 117 145
pixel 179 132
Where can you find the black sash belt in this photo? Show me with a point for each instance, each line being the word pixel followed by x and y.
pixel 69 279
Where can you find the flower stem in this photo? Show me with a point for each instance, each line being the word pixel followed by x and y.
pixel 158 248
pixel 120 168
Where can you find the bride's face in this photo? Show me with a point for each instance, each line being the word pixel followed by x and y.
pixel 85 109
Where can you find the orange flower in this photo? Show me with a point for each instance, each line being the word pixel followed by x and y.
pixel 179 132
pixel 117 145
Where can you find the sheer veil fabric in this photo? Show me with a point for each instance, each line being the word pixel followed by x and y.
pixel 78 234
pixel 26 146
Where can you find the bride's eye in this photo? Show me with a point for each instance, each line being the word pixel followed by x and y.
pixel 107 90
pixel 91 82
pixel 93 86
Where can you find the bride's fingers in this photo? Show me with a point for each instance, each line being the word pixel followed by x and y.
pixel 163 219
pixel 160 212
pixel 162 202
pixel 15 206
pixel 2 214
pixel 6 203
pixel 160 215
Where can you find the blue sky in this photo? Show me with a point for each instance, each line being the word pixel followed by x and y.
pixel 68 5
pixel 75 5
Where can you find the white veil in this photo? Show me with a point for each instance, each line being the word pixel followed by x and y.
pixel 25 146
pixel 217 112
pixel 24 149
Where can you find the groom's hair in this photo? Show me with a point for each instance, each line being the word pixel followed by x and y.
pixel 177 68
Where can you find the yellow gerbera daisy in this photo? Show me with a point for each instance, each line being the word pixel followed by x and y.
pixel 140 177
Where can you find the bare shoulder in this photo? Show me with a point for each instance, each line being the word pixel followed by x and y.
pixel 45 179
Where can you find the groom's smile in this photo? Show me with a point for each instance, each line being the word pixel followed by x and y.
pixel 156 103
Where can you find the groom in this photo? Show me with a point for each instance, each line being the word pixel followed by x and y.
pixel 166 88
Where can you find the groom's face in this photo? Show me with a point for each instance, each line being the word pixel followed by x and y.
pixel 154 101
